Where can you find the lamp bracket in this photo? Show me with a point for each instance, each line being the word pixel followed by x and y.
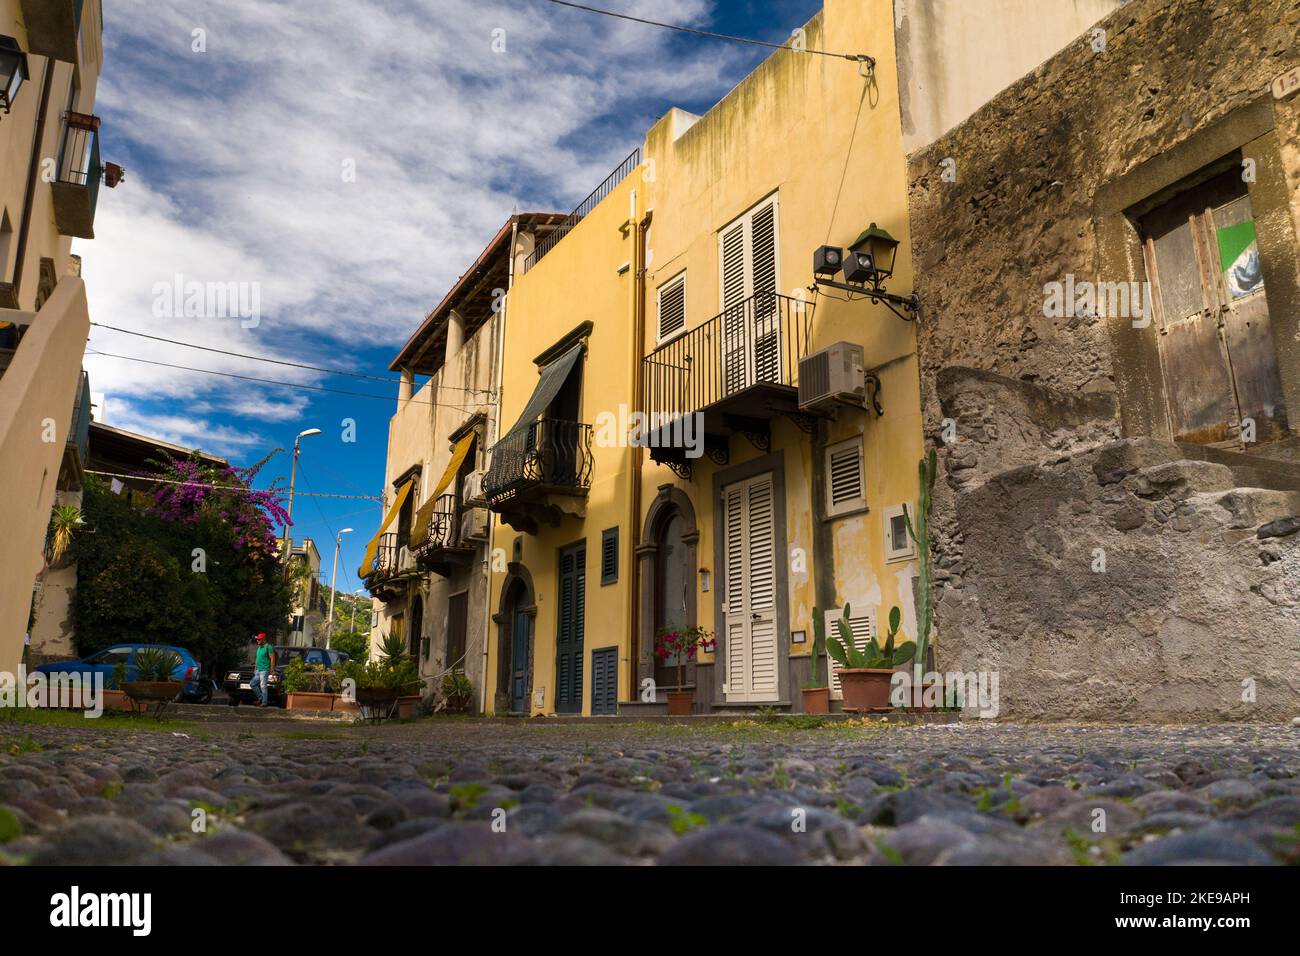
pixel 910 304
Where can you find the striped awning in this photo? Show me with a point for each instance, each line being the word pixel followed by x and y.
pixel 372 548
pixel 420 530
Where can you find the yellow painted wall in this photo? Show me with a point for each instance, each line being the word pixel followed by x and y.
pixel 578 280
pixel 789 128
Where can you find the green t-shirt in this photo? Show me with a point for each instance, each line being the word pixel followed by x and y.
pixel 264 653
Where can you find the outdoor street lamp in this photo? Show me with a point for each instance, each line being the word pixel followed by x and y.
pixel 293 478
pixel 866 266
pixel 13 70
pixel 334 580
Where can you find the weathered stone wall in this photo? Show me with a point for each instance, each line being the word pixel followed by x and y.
pixel 1050 455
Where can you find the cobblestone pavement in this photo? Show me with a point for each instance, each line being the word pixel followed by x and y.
pixel 428 792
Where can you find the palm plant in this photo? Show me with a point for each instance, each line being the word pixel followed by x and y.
pixel 64 521
pixel 155 664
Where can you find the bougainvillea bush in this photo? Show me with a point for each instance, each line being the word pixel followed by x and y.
pixel 191 565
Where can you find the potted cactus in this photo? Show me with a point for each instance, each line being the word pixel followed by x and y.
pixel 865 674
pixel 919 532
pixel 816 695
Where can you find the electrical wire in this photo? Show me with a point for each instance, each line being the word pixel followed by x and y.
pixel 859 57
pixel 230 488
pixel 270 381
pixel 272 361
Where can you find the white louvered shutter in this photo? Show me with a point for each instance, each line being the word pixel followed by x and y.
pixel 864 626
pixel 672 307
pixel 737 554
pixel 846 483
pixel 731 254
pixel 762 589
pixel 748 253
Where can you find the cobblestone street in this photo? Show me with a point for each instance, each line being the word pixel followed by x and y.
pixel 464 791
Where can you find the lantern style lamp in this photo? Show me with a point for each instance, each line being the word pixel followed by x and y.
pixel 13 71
pixel 881 247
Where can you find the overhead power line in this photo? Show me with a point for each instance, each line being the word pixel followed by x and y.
pixel 230 488
pixel 858 57
pixel 271 361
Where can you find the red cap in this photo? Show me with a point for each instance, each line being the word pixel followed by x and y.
pixel 262 636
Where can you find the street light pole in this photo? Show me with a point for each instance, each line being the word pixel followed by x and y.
pixel 293 478
pixel 334 580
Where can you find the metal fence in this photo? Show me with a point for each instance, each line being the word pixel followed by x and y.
pixel 552 453
pixel 584 207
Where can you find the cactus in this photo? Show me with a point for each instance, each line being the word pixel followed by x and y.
pixel 845 650
pixel 818 648
pixel 920 535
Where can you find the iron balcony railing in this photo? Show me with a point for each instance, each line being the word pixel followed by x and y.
pixel 756 342
pixel 587 205
pixel 79 163
pixel 442 526
pixel 552 454
pixel 385 557
pixel 79 435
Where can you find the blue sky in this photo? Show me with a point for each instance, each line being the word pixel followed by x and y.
pixel 345 161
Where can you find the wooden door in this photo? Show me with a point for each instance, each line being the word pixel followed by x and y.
pixel 571 624
pixel 750 590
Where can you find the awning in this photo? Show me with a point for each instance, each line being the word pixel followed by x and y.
pixel 553 377
pixel 420 530
pixel 372 548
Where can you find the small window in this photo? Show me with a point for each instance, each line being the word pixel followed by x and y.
pixel 898 543
pixel 845 483
pixel 609 556
pixel 672 307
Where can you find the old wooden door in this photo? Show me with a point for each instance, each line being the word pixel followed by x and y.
pixel 1216 345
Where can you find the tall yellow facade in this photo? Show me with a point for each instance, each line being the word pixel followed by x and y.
pixel 706 249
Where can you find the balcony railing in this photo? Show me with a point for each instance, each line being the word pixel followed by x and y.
pixel 76 183
pixel 549 456
pixel 385 557
pixel 587 205
pixel 757 342
pixel 442 526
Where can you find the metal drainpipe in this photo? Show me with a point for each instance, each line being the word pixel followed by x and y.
pixel 496 435
pixel 29 196
pixel 638 345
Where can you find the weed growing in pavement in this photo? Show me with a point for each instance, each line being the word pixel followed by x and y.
pixel 682 820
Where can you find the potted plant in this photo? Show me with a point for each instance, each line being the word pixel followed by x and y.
pixel 865 674
pixel 681 643
pixel 816 695
pixel 389 684
pixel 153 684
pixel 114 697
pixel 457 692
pixel 308 687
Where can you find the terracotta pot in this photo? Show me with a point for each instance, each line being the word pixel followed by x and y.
pixel 918 692
pixel 343 705
pixel 408 706
pixel 377 696
pixel 816 700
pixel 866 689
pixel 116 700
pixel 680 703
pixel 152 692
pixel 310 700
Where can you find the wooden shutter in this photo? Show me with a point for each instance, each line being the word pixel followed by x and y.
pixel 672 307
pixel 737 554
pixel 457 630
pixel 604 681
pixel 845 482
pixel 569 636
pixel 751 592
pixel 864 626
pixel 609 556
pixel 750 274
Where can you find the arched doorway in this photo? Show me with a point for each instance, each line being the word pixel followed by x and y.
pixel 515 619
pixel 668 568
pixel 672 588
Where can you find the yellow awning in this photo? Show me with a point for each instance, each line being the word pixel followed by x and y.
pixel 422 517
pixel 372 548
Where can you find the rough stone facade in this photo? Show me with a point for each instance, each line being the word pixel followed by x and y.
pixel 1102 569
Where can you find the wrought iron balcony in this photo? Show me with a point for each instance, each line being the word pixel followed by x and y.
pixel 385 566
pixel 535 469
pixel 587 205
pixel 76 183
pixel 53 27
pixel 443 549
pixel 733 373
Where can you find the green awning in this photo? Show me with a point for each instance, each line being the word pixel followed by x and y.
pixel 553 377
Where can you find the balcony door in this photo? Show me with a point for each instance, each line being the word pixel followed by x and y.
pixel 572 613
pixel 750 589
pixel 749 270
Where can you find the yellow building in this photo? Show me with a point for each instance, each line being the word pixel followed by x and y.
pixel 694 434
pixel 50 174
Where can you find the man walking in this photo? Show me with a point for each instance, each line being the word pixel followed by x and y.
pixel 263 664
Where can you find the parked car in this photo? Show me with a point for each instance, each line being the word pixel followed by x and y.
pixel 238 682
pixel 197 689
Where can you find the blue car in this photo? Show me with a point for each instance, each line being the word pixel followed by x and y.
pixel 197 690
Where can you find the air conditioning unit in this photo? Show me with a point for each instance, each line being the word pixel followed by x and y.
pixel 474 524
pixel 405 560
pixel 473 488
pixel 834 375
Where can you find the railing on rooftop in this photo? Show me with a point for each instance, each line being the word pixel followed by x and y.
pixel 587 205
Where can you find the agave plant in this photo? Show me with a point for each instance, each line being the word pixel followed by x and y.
pixel 845 650
pixel 64 522
pixel 155 664
pixel 392 648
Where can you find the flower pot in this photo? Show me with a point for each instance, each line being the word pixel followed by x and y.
pixel 816 700
pixel 310 700
pixel 377 696
pixel 152 692
pixel 116 700
pixel 342 705
pixel 917 693
pixel 408 706
pixel 866 689
pixel 680 703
